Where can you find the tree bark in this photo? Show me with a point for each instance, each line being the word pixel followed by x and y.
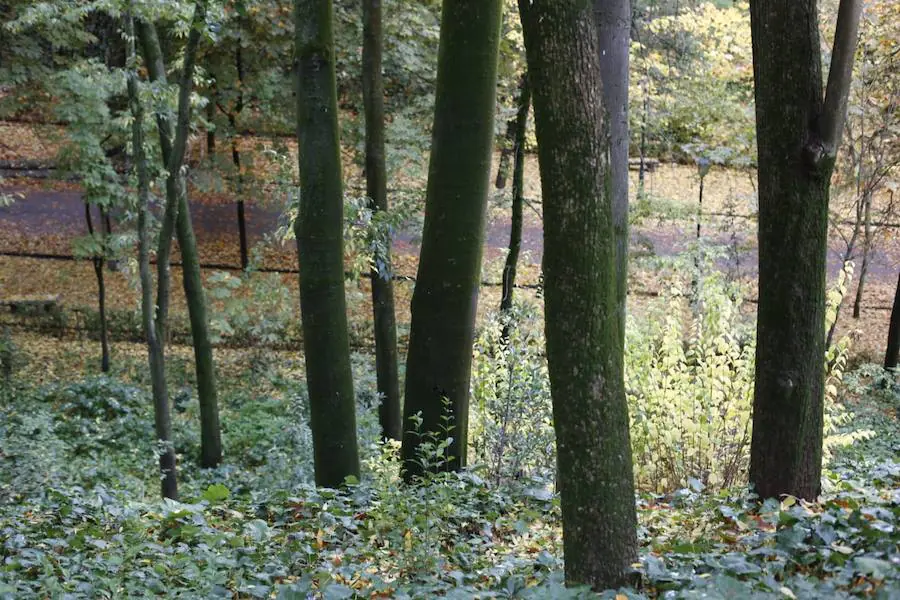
pixel 389 412
pixel 319 232
pixel 153 326
pixel 518 199
pixel 614 29
pixel 508 150
pixel 173 135
pixel 797 135
pixel 438 366
pixel 98 262
pixel 892 354
pixel 582 314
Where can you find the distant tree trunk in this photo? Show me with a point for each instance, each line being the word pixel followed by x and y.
pixel 173 134
pixel 319 231
pixel 518 199
pixel 210 119
pixel 508 150
pixel 236 156
pixel 153 320
pixel 438 366
pixel 613 19
pixel 389 413
pixel 798 136
pixel 892 354
pixel 646 119
pixel 98 262
pixel 582 313
pixel 867 252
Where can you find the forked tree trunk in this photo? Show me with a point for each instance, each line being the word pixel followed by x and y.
pixel 173 134
pixel 319 231
pixel 582 312
pixel 153 313
pixel 798 136
pixel 438 366
pixel 389 412
pixel 892 354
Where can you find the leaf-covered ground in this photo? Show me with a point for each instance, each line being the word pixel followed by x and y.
pixel 79 516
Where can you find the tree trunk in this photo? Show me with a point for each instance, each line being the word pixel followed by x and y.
pixel 518 199
pixel 797 135
pixel 508 151
pixel 389 413
pixel 210 119
pixel 438 366
pixel 173 142
pixel 892 354
pixel 582 313
pixel 98 262
pixel 153 325
pixel 867 250
pixel 319 231
pixel 236 155
pixel 614 29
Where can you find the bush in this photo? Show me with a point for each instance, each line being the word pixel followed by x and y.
pixel 689 377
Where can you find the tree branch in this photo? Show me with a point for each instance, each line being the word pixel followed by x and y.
pixel 840 75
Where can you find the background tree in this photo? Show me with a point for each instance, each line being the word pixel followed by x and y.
pixel 376 190
pixel 582 314
pixel 153 314
pixel 798 135
pixel 320 248
pixel 173 137
pixel 442 330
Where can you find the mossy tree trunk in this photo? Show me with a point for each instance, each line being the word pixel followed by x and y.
pixel 319 231
pixel 613 19
pixel 583 324
pixel 173 134
pixel 153 313
pixel 798 134
pixel 376 189
pixel 438 366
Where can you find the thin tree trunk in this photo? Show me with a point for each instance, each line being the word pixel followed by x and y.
pixel 582 312
pixel 867 250
pixel 892 354
pixel 508 151
pixel 518 200
pixel 98 262
pixel 173 142
pixel 613 19
pixel 210 119
pixel 798 135
pixel 236 155
pixel 154 325
pixel 319 232
pixel 386 369
pixel 438 365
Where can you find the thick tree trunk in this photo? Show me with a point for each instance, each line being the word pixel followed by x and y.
pixel 173 142
pixel 153 326
pixel 319 231
pixel 98 262
pixel 518 199
pixel 582 313
pixel 798 135
pixel 438 366
pixel 389 413
pixel 892 354
pixel 614 29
